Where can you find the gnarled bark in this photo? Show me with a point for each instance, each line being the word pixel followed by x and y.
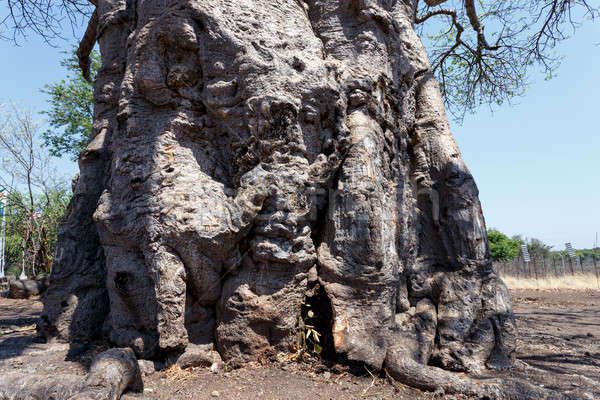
pixel 247 152
pixel 111 373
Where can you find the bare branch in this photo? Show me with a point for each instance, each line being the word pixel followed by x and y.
pixel 477 27
pixel 41 17
pixel 477 67
pixel 433 3
pixel 86 45
pixel 441 11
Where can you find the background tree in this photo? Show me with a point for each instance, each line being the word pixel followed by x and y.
pixel 54 205
pixel 538 249
pixel 502 248
pixel 39 234
pixel 37 198
pixel 71 108
pixel 589 253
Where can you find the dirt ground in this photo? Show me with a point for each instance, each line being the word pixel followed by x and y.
pixel 559 348
pixel 559 343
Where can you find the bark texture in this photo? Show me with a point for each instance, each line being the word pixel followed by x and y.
pixel 248 155
pixel 111 373
pixel 26 288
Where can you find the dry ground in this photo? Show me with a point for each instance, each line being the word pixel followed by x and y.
pixel 559 347
pixel 577 281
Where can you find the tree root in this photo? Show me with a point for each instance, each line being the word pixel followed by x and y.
pixel 111 373
pixel 411 373
pixel 407 371
pixel 17 386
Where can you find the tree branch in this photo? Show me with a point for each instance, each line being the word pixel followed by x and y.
pixel 477 27
pixel 86 45
pixel 433 3
pixel 441 11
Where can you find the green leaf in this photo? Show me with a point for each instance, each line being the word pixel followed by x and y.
pixel 317 348
pixel 70 109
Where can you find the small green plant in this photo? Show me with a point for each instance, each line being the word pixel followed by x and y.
pixel 310 335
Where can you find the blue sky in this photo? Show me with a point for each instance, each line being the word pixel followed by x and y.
pixel 536 162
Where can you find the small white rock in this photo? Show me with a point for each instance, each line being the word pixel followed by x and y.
pixel 215 394
pixel 215 367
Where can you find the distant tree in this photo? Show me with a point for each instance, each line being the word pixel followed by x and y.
pixel 502 248
pixel 24 163
pixel 54 205
pixel 71 108
pixel 538 249
pixel 32 186
pixel 588 253
pixel 518 238
pixel 39 232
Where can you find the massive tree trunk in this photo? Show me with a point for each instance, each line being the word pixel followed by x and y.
pixel 249 157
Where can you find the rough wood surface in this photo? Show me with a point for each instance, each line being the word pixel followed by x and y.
pixel 111 373
pixel 246 153
pixel 26 288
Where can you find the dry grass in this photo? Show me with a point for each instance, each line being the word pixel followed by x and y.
pixel 175 373
pixel 577 281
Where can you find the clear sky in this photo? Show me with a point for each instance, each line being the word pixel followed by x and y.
pixel 536 162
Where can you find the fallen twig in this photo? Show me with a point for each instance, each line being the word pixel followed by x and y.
pixel 371 385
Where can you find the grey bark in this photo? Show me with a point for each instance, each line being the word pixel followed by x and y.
pixel 111 373
pixel 246 154
pixel 26 288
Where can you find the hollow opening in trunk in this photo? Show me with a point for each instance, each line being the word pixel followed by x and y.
pixel 317 318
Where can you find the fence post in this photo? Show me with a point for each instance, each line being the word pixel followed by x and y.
pixel 544 266
pixel 571 266
pixel 522 266
pixel 596 270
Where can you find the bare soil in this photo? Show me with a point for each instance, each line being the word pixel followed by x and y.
pixel 559 348
pixel 559 343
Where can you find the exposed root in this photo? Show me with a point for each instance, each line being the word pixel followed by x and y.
pixel 17 385
pixel 111 373
pixel 409 372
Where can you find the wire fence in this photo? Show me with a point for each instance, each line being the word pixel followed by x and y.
pixel 553 265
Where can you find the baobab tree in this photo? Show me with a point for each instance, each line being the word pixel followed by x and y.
pixel 255 164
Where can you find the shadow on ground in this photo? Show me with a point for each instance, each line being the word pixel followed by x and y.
pixel 557 349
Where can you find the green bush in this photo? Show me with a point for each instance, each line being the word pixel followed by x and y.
pixel 502 248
